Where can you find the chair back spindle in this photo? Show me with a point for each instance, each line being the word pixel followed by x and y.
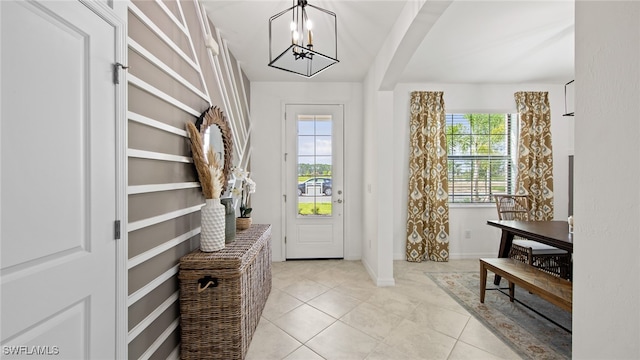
pixel 512 207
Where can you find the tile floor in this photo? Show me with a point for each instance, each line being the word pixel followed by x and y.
pixel 330 309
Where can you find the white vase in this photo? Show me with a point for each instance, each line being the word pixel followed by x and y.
pixel 212 226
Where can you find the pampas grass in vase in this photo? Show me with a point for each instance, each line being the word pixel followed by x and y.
pixel 212 228
pixel 199 160
pixel 216 174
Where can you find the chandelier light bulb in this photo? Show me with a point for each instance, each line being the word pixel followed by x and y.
pixel 293 26
pixel 309 25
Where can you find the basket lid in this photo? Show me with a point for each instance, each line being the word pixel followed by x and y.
pixel 235 255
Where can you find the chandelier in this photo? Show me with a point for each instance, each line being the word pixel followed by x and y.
pixel 308 35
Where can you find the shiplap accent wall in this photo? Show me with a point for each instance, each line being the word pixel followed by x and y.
pixel 172 79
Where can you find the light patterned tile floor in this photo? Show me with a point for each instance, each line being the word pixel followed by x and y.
pixel 330 309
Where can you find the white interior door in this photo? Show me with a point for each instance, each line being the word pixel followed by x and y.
pixel 314 182
pixel 58 181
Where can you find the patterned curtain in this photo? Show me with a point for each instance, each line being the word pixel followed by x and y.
pixel 428 205
pixel 535 155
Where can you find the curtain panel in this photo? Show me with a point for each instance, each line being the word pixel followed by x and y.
pixel 428 201
pixel 535 155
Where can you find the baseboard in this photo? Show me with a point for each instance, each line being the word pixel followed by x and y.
pixel 380 282
pixel 383 282
pixel 372 275
pixel 455 256
pixel 350 258
pixel 463 256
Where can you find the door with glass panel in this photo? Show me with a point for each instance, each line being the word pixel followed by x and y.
pixel 314 191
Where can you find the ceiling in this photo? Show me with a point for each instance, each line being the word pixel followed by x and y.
pixel 462 41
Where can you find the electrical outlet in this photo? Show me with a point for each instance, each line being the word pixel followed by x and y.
pixel 467 234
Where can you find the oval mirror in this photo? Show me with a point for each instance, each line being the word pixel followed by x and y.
pixel 219 137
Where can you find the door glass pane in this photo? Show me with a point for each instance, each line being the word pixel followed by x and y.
pixel 306 127
pixel 306 145
pixel 323 146
pixel 323 125
pixel 314 165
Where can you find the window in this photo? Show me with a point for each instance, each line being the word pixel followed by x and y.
pixel 314 165
pixel 481 156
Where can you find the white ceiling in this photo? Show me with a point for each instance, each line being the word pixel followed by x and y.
pixel 471 41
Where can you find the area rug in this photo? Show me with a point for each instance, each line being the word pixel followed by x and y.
pixel 527 333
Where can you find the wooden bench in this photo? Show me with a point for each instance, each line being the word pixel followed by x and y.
pixel 556 290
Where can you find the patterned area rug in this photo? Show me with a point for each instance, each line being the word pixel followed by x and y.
pixel 529 334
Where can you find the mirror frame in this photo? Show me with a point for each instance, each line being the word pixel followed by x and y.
pixel 215 116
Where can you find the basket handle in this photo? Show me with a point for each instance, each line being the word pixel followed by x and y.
pixel 207 282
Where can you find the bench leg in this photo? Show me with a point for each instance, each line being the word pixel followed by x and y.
pixel 512 291
pixel 483 282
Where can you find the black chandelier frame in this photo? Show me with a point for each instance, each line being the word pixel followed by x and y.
pixel 299 50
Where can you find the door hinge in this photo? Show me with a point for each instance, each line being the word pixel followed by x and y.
pixel 285 198
pixel 116 229
pixel 116 72
pixel 285 156
pixel 285 239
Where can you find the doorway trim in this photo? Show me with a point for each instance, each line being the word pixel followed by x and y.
pixel 116 17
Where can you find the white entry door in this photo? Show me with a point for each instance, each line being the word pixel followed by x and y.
pixel 314 182
pixel 58 181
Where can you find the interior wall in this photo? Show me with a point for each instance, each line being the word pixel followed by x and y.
pixel 172 78
pixel 378 191
pixel 606 294
pixel 267 105
pixel 369 190
pixel 484 240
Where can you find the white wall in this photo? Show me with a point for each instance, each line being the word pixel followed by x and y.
pixel 378 157
pixel 606 305
pixel 484 240
pixel 370 193
pixel 267 104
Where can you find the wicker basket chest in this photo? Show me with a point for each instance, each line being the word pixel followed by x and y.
pixel 222 295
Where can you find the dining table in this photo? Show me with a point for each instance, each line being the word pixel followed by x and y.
pixel 554 233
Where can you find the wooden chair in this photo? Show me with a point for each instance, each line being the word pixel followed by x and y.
pixel 542 256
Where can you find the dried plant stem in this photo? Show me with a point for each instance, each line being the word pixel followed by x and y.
pixel 216 184
pixel 199 160
pixel 212 157
pixel 216 173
